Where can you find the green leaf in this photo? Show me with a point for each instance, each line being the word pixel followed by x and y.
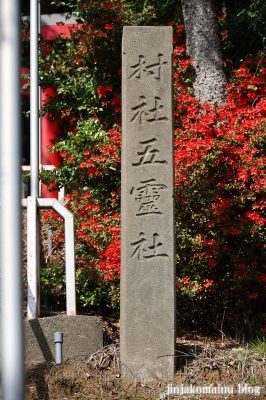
pixel 252 87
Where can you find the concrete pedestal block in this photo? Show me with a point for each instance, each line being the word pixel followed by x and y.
pixel 83 336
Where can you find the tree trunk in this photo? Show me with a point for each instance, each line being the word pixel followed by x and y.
pixel 204 48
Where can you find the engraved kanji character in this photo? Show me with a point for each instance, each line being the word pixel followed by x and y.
pixel 142 112
pixel 143 251
pixel 140 69
pixel 147 195
pixel 148 155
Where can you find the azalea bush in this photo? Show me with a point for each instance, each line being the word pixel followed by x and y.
pixel 220 203
pixel 220 176
pixel 90 171
pixel 85 69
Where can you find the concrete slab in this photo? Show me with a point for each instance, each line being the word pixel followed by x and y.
pixel 83 336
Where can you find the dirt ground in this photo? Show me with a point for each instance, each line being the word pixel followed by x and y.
pixel 201 362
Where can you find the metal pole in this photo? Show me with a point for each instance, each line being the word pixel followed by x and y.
pixel 33 275
pixel 33 271
pixel 39 89
pixel 34 100
pixel 10 211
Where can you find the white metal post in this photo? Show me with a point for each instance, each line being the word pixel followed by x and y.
pixel 69 255
pixel 33 255
pixel 10 215
pixel 33 268
pixel 34 100
pixel 33 279
pixel 69 251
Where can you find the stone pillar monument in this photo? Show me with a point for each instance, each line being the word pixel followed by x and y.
pixel 148 277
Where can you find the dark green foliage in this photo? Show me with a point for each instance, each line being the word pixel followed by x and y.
pixel 245 26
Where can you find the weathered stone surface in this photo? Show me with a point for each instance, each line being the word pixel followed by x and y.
pixel 148 256
pixel 82 337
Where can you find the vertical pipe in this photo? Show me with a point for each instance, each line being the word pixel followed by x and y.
pixel 10 211
pixel 58 339
pixel 34 100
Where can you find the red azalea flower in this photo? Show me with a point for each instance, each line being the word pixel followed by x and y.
pixel 253 295
pixel 109 26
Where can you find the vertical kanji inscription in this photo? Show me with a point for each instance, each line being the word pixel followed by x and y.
pixel 147 232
